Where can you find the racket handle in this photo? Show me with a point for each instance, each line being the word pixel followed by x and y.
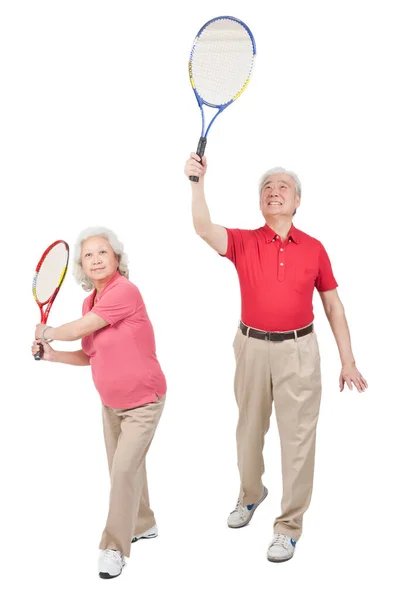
pixel 200 151
pixel 39 353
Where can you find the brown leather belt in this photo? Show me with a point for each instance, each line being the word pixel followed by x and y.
pixel 275 336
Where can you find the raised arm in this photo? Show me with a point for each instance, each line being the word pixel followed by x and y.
pixel 215 235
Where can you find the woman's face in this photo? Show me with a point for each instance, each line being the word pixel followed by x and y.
pixel 99 262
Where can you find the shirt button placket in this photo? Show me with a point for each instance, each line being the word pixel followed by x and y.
pixel 281 266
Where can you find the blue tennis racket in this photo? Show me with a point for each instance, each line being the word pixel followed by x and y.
pixel 220 66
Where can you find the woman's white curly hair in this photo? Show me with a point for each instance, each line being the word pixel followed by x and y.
pixel 115 244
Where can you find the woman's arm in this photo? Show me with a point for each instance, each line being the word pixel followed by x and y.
pixel 72 331
pixel 77 358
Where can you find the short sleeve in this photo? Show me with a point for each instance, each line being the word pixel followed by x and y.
pixel 118 303
pixel 325 280
pixel 86 305
pixel 236 244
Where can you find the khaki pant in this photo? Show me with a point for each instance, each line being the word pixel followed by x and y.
pixel 288 374
pixel 128 435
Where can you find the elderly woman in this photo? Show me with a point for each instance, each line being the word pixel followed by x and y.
pixel 118 343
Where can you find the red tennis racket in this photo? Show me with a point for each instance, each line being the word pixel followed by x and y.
pixel 49 275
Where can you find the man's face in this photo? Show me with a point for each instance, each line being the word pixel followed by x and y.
pixel 278 196
pixel 99 262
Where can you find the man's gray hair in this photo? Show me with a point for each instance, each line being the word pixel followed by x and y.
pixel 276 170
pixel 115 244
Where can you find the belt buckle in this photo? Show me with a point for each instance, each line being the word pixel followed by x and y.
pixel 267 336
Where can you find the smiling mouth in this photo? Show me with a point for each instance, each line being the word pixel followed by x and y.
pixel 98 269
pixel 274 203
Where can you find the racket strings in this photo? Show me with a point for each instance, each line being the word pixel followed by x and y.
pixel 222 60
pixel 50 273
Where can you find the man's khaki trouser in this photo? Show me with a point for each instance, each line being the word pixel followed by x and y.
pixel 288 374
pixel 128 435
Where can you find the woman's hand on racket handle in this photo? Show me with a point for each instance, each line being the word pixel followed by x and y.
pixel 195 166
pixel 48 352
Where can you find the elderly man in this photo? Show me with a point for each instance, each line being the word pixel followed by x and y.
pixel 276 349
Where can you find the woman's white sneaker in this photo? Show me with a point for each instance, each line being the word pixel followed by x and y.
pixel 146 535
pixel 242 515
pixel 111 563
pixel 281 548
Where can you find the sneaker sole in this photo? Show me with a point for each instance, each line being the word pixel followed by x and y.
pixel 277 560
pixel 108 576
pixel 265 494
pixel 146 537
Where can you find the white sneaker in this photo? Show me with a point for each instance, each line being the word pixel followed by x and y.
pixel 281 548
pixel 111 563
pixel 147 535
pixel 242 515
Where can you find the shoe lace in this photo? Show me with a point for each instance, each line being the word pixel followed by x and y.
pixel 112 556
pixel 279 539
pixel 242 510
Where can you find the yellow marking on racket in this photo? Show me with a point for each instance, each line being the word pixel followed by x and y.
pixel 34 285
pixel 242 90
pixel 62 276
pixel 191 75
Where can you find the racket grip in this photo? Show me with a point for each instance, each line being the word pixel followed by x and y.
pixel 200 151
pixel 39 353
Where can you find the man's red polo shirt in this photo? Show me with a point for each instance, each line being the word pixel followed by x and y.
pixel 277 279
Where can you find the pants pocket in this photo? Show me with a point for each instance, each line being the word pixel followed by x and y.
pixel 238 344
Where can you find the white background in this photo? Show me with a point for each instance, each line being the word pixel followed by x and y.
pixel 97 120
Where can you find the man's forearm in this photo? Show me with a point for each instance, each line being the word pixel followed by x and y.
pixel 338 322
pixel 77 358
pixel 200 212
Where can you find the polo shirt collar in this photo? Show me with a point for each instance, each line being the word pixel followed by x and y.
pixel 271 234
pixel 294 234
pixel 93 296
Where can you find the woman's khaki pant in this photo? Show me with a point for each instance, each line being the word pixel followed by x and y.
pixel 128 435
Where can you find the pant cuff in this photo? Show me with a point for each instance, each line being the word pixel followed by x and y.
pixel 143 529
pixel 110 546
pixel 294 534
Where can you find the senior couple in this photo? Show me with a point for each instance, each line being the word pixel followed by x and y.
pixel 275 347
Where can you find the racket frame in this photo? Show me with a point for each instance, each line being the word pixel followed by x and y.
pixel 201 102
pixel 44 314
